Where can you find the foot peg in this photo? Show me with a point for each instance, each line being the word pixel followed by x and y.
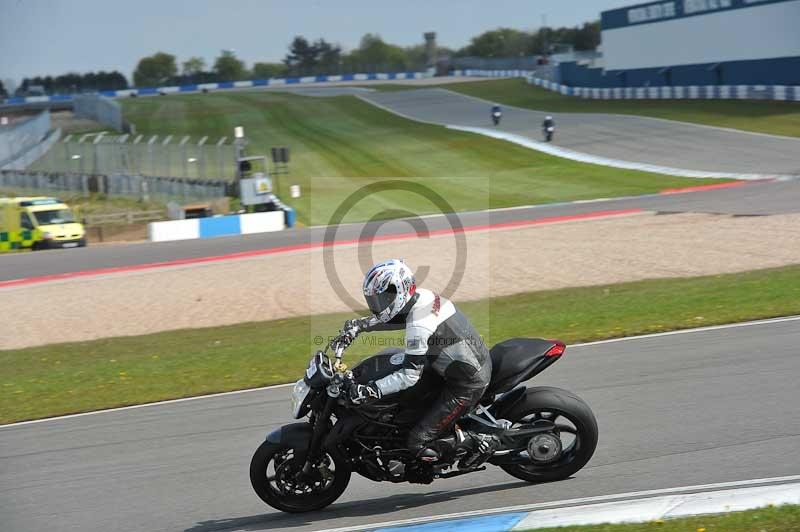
pixel 451 474
pixel 483 446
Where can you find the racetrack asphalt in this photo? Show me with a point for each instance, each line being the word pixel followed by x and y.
pixel 622 137
pixel 674 410
pixel 745 199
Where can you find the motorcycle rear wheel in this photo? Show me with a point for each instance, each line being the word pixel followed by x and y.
pixel 273 474
pixel 573 418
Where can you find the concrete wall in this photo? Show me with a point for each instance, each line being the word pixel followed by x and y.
pixel 22 136
pixel 242 224
pixel 32 153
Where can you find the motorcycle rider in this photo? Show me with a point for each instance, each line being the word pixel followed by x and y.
pixel 437 335
pixel 496 113
pixel 547 124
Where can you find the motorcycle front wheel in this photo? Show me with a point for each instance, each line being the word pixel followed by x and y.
pixel 276 476
pixel 558 454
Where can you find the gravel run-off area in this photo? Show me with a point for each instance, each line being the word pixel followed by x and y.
pixel 496 262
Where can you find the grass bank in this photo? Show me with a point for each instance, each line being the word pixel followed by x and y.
pixel 75 377
pixel 772 519
pixel 340 144
pixel 777 118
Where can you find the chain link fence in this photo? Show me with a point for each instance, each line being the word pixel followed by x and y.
pixel 145 188
pixel 153 155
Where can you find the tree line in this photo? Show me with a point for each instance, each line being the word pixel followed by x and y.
pixel 313 57
pixel 72 82
pixel 304 58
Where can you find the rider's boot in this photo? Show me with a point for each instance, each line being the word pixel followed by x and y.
pixel 429 454
pixel 442 447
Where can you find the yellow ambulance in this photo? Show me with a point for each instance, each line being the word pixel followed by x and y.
pixel 38 223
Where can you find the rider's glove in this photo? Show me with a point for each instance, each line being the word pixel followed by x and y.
pixel 350 330
pixel 364 393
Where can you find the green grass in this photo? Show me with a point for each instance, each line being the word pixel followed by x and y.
pixel 777 118
pixel 75 377
pixel 770 519
pixel 341 144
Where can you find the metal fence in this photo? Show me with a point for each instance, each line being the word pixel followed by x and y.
pixel 154 155
pixel 16 139
pixel 142 187
pixel 125 217
pixel 100 109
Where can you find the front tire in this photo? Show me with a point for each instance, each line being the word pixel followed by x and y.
pixel 273 471
pixel 548 404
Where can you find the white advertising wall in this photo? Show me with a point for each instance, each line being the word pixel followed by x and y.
pixel 756 32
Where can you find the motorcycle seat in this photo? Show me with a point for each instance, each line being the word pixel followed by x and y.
pixel 516 360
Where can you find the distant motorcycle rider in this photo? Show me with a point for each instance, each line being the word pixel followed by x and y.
pixel 496 114
pixel 548 127
pixel 437 335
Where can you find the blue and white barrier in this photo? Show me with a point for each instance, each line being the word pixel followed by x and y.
pixel 513 73
pixel 240 224
pixel 276 82
pixel 690 92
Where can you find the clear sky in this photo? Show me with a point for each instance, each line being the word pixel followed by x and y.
pixel 39 37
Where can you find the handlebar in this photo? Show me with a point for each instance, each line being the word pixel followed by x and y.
pixel 339 351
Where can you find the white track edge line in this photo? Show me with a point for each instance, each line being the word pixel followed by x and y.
pixel 766 321
pixel 571 502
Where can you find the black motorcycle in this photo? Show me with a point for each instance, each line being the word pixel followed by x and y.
pixel 496 116
pixel 545 434
pixel 548 132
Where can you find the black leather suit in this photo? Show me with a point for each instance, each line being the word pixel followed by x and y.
pixel 440 337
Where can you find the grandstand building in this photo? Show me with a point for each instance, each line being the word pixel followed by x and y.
pixel 695 42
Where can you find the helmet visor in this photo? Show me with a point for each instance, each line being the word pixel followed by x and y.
pixel 378 303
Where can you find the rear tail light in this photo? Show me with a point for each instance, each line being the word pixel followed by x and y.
pixel 557 350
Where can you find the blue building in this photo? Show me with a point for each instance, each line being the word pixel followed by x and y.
pixel 695 42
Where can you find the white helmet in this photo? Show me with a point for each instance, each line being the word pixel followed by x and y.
pixel 388 287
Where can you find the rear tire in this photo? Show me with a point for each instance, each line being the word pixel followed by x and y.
pixel 268 486
pixel 561 404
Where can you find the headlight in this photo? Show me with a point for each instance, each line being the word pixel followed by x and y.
pixel 299 395
pixel 47 235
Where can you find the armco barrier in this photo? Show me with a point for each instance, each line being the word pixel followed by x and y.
pixel 274 82
pixel 692 92
pixel 240 224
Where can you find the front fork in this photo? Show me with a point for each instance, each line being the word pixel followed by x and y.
pixel 320 427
